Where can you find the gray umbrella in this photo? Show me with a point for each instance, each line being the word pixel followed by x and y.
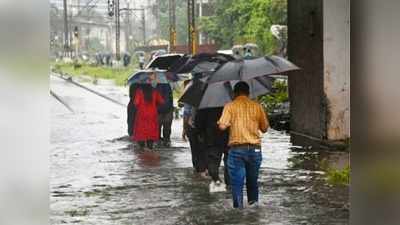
pixel 246 69
pixel 201 95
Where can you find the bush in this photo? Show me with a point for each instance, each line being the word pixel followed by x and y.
pixel 338 177
pixel 119 75
pixel 279 96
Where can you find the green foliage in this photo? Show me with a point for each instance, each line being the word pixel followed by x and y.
pixel 119 75
pixel 181 20
pixel 338 177
pixel 279 95
pixel 244 21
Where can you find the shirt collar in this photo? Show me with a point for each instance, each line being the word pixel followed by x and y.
pixel 242 97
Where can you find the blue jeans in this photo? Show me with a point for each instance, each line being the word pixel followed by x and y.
pixel 244 163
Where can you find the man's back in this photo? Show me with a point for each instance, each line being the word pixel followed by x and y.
pixel 246 118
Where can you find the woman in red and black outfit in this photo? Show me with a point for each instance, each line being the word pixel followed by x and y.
pixel 146 130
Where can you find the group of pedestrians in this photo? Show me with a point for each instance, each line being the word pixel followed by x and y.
pixel 231 133
pixel 150 113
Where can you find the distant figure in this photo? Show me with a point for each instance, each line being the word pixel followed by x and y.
pixel 165 114
pixel 216 145
pixel 126 59
pixel 108 59
pixel 245 119
pixel 199 157
pixel 99 59
pixel 141 61
pixel 145 130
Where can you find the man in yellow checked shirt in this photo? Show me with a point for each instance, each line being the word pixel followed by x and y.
pixel 246 120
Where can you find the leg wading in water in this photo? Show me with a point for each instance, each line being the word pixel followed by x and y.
pixel 216 142
pixel 244 164
pixel 214 156
pixel 165 122
pixel 148 144
pixel 198 152
pixel 196 141
pixel 165 114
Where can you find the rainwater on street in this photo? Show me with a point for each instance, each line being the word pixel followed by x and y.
pixel 97 177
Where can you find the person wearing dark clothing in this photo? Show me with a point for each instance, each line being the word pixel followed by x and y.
pixel 216 144
pixel 165 113
pixel 126 59
pixel 131 109
pixel 197 149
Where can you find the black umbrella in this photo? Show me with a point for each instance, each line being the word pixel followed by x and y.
pixel 203 62
pixel 178 63
pixel 142 76
pixel 164 62
pixel 193 92
pixel 202 95
pixel 246 69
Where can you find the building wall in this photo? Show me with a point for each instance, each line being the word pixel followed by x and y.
pixel 319 43
pixel 305 49
pixel 337 67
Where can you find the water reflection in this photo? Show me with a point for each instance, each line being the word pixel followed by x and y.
pixel 147 158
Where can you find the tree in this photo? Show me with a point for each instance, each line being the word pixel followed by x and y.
pixel 181 20
pixel 244 21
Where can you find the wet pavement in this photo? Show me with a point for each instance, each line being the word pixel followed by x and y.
pixel 97 177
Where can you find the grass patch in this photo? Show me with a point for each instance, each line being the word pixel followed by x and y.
pixel 119 75
pixel 74 213
pixel 338 177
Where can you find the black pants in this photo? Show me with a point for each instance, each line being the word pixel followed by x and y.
pixel 148 143
pixel 214 156
pixel 199 156
pixel 165 123
pixel 131 111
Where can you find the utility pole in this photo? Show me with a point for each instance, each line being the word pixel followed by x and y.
pixel 191 27
pixel 127 27
pixel 144 26
pixel 156 12
pixel 114 10
pixel 76 38
pixel 66 33
pixel 117 31
pixel 172 25
pixel 200 15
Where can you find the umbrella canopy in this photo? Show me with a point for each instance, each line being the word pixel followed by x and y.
pixel 193 93
pixel 142 77
pixel 246 69
pixel 208 62
pixel 164 62
pixel 178 63
pixel 202 95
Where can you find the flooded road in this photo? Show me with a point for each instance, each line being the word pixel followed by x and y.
pixel 97 177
